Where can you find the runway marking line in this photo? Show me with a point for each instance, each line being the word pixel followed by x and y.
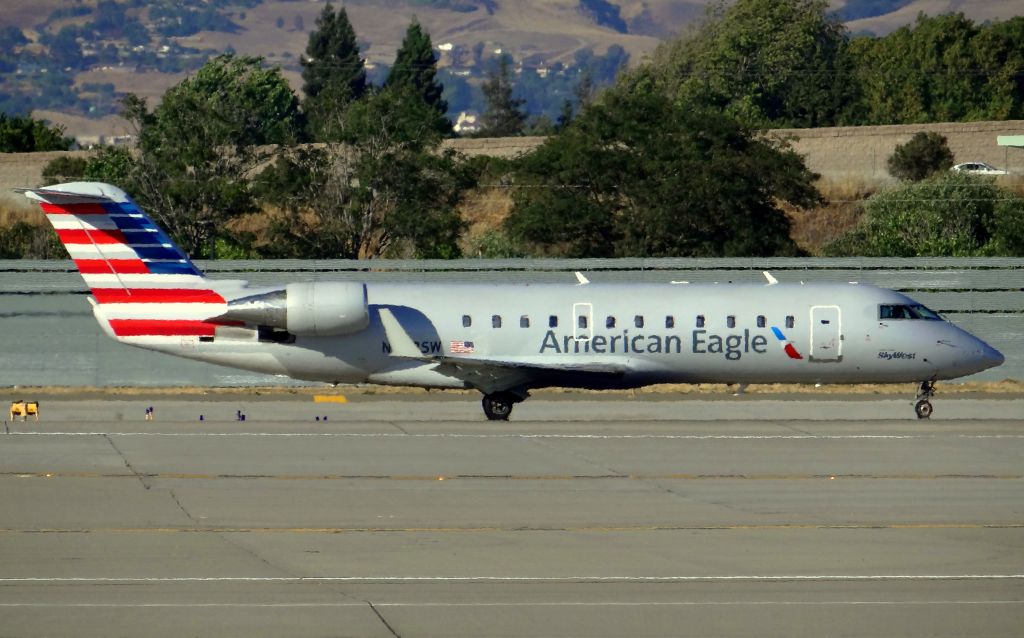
pixel 680 437
pixel 674 603
pixel 604 529
pixel 518 579
pixel 329 398
pixel 512 477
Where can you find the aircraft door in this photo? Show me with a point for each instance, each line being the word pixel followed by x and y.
pixel 582 321
pixel 826 333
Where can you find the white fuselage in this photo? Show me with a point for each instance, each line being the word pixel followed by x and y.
pixel 654 333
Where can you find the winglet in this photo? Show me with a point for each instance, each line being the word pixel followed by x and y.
pixel 401 343
pixel 580 278
pixel 771 280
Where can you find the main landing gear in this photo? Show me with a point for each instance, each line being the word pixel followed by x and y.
pixel 498 405
pixel 923 407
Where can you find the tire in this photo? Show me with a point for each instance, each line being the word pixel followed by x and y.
pixel 923 409
pixel 497 407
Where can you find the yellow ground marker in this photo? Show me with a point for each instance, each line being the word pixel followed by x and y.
pixel 329 398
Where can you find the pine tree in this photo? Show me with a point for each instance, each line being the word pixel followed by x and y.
pixel 332 72
pixel 503 116
pixel 416 68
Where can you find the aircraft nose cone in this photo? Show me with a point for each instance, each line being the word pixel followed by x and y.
pixel 985 356
pixel 992 356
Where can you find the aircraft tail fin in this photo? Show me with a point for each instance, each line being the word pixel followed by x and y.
pixel 143 284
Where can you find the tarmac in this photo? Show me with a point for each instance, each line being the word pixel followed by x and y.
pixel 585 515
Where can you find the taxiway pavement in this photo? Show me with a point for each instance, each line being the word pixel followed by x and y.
pixel 588 516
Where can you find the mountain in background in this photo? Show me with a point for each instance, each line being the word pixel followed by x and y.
pixel 70 60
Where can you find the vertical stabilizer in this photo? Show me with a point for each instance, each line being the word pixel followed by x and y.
pixel 145 285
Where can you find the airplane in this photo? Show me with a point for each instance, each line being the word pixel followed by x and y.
pixel 503 340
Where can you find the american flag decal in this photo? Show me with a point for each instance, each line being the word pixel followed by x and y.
pixel 461 347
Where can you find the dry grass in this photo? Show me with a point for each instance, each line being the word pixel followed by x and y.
pixel 483 210
pixel 977 11
pixel 813 229
pixel 1005 387
pixel 12 216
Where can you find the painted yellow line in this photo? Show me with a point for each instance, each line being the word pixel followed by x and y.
pixel 604 529
pixel 329 398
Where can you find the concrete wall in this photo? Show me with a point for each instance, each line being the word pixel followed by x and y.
pixel 860 152
pixel 21 170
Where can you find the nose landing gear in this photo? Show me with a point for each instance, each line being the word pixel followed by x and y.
pixel 923 407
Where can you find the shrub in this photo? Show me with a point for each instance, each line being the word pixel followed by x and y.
pixel 924 155
pixel 951 214
pixel 64 169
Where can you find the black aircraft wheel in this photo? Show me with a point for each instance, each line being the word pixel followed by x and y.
pixel 498 406
pixel 923 409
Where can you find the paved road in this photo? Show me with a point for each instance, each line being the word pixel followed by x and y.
pixel 411 516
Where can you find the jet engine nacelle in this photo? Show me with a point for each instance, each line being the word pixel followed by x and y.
pixel 313 309
pixel 324 309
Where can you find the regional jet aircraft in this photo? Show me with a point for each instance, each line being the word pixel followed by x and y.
pixel 501 339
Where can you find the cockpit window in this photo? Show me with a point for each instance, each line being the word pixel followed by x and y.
pixel 907 311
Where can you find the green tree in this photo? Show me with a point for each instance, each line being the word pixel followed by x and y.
pixel 951 214
pixel 333 74
pixel 925 154
pixel 198 148
pixel 416 68
pixel 637 175
pixel 999 51
pixel 503 113
pixel 1006 228
pixel 22 240
pixel 386 189
pixel 25 135
pixel 772 63
pixel 64 169
pixel 941 69
pixel 113 165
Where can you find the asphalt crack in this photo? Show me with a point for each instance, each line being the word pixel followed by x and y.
pixel 139 475
pixel 383 620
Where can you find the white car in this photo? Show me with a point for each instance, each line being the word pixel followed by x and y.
pixel 978 168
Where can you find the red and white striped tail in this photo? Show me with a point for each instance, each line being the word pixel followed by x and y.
pixel 144 283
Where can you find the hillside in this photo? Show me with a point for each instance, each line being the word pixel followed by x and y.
pixel 538 34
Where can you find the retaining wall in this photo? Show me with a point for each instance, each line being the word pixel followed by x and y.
pixel 857 153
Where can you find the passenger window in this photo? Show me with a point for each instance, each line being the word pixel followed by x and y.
pixel 760 321
pixel 581 321
pixel 730 321
pixel 467 321
pixel 553 321
pixel 790 322
pixel 638 321
pixel 496 321
pixel 609 322
pixel 700 321
pixel 524 321
pixel 670 321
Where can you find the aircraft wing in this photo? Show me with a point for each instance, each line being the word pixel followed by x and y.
pixel 487 375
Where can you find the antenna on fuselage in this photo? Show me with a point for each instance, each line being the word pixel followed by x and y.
pixel 771 280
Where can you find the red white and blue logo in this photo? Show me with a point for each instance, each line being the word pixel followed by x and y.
pixel 787 345
pixel 146 285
